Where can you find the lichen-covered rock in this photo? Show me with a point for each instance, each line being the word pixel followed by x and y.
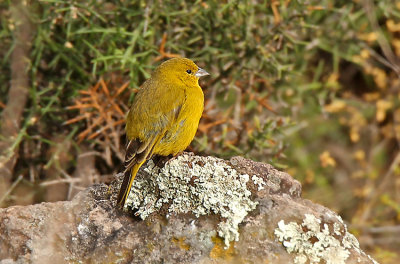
pixel 190 210
pixel 199 185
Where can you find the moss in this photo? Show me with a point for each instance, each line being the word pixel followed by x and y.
pixel 200 185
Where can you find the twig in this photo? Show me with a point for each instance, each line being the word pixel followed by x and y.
pixel 383 229
pixel 392 61
pixel 375 195
pixel 147 16
pixel 70 180
pixel 12 187
pixel 164 54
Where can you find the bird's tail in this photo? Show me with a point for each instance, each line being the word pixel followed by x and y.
pixel 127 184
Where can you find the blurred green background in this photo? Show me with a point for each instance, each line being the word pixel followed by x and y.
pixel 311 87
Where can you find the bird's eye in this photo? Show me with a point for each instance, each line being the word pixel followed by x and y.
pixel 189 71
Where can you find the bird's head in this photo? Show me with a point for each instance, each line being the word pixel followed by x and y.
pixel 182 69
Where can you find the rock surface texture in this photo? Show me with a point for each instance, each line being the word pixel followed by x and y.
pixel 190 210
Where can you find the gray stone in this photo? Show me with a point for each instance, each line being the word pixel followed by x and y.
pixel 190 210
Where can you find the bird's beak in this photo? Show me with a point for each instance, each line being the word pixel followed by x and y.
pixel 200 72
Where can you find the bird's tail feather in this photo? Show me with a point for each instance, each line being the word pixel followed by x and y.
pixel 127 183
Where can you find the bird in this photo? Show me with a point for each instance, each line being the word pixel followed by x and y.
pixel 163 118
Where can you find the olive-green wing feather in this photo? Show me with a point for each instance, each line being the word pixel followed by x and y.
pixel 150 117
pixel 155 110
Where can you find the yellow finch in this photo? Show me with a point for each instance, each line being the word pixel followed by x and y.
pixel 164 116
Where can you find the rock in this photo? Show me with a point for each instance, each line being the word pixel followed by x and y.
pixel 191 210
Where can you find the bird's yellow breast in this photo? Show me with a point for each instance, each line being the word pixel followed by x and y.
pixel 183 130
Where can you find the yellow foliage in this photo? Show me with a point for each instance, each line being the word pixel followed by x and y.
pixel 332 80
pixel 310 176
pixel 354 134
pixel 327 160
pixel 397 123
pixel 392 26
pixel 359 155
pixel 370 97
pixel 356 122
pixel 381 108
pixel 379 76
pixel 358 174
pixel 68 45
pixel 368 37
pixel 289 92
pixel 363 191
pixel 357 59
pixel 365 54
pixel 396 46
pixel 388 131
pixel 335 106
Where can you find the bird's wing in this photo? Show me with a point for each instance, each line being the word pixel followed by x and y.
pixel 151 116
pixel 138 151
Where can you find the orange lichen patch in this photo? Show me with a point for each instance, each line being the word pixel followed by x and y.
pixel 2 105
pixel 164 54
pixel 180 242
pixel 150 247
pixel 219 251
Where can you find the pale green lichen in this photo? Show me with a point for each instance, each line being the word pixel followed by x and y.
pixel 349 240
pixel 200 185
pixel 312 244
pixel 258 181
